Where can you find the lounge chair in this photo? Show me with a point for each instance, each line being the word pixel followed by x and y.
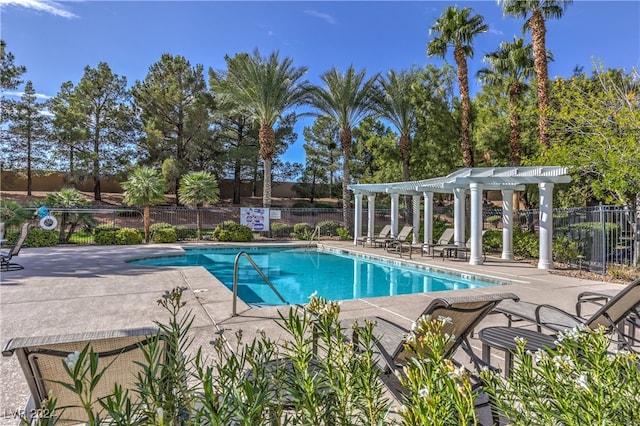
pixel 466 249
pixel 465 312
pixel 396 243
pixel 42 360
pixel 610 315
pixel 383 242
pixel 5 259
pixel 384 233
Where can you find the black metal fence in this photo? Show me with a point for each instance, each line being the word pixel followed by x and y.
pixel 603 235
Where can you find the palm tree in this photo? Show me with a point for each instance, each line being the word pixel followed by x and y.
pixel 346 99
pixel 145 187
pixel 540 11
pixel 196 190
pixel 510 67
pixel 265 88
pixel 458 28
pixel 395 105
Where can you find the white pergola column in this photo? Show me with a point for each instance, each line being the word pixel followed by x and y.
pixel 507 224
pixel 458 216
pixel 357 220
pixel 476 223
pixel 545 260
pixel 371 212
pixel 428 217
pixel 395 200
pixel 416 218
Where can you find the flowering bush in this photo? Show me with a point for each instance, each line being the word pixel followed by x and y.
pixel 579 383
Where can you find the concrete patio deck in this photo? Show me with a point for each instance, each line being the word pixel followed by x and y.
pixel 90 288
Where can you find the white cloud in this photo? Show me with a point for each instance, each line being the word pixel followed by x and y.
pixel 47 6
pixel 330 19
pixel 20 94
pixel 495 32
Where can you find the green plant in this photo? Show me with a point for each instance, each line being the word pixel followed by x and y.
pixel 328 227
pixel 198 189
pixel 105 235
pixel 302 231
pixel 525 244
pixel 128 236
pixel 581 382
pixel 492 239
pixel 145 187
pixel 494 220
pixel 344 234
pixel 12 213
pixel 184 233
pixel 438 391
pixel 36 238
pixel 69 221
pixel 165 235
pixel 159 225
pixel 565 250
pixel 281 230
pixel 231 231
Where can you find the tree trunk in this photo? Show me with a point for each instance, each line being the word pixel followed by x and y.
pixel 463 80
pixel 147 223
pixel 198 223
pixel 405 153
pixel 514 124
pixel 345 140
pixel 267 139
pixel 538 36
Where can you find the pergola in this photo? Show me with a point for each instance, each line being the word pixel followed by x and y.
pixel 475 181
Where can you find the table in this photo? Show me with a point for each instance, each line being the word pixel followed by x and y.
pixel 503 338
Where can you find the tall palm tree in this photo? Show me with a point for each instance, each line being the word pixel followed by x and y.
pixel 198 189
pixel 145 187
pixel 510 67
pixel 458 28
pixel 346 99
pixel 265 88
pixel 540 11
pixel 395 105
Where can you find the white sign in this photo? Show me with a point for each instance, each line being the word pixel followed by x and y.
pixel 275 214
pixel 255 218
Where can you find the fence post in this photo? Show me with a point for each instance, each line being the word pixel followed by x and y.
pixel 604 239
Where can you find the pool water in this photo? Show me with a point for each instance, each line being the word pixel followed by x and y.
pixel 298 272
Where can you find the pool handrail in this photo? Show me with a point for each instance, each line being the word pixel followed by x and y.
pixel 316 233
pixel 259 271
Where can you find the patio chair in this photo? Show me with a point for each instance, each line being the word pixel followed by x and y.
pixel 466 249
pixel 396 243
pixel 465 312
pixel 610 315
pixel 443 242
pixel 384 233
pixel 42 360
pixel 5 259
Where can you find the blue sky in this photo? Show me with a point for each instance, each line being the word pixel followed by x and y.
pixel 56 40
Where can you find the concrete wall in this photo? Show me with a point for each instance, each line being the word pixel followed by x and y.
pixel 52 182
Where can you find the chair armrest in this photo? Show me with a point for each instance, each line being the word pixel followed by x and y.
pixel 555 319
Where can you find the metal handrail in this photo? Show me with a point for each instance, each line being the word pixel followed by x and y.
pixel 316 232
pixel 259 271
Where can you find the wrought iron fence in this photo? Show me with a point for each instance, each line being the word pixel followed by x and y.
pixel 603 235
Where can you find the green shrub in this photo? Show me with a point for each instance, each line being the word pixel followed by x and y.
pixel 344 234
pixel 105 235
pixel 159 225
pixel 165 235
pixel 302 231
pixel 494 220
pixel 565 250
pixel 281 230
pixel 322 205
pixel 231 231
pixel 328 227
pixel 581 382
pixel 128 236
pixel 525 244
pixel 41 238
pixel 184 233
pixel 492 239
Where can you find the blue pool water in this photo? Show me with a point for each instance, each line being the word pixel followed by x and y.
pixel 298 272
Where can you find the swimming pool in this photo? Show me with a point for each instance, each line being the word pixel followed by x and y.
pixel 299 272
